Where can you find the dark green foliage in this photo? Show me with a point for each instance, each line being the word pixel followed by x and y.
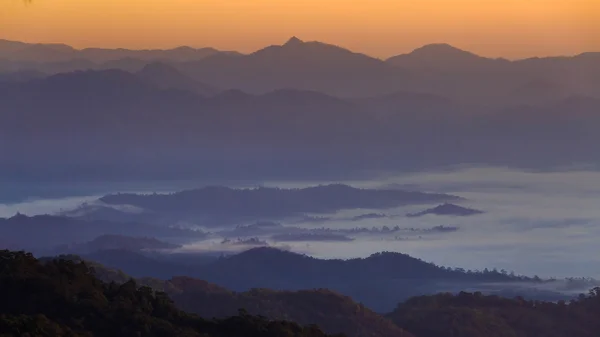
pixel 64 298
pixel 476 315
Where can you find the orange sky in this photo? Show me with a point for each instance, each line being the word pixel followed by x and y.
pixel 382 28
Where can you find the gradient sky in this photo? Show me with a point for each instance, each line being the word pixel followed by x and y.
pixel 382 28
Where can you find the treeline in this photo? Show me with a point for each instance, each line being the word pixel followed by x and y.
pixel 477 315
pixel 63 298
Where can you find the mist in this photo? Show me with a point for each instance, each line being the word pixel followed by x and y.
pixel 542 223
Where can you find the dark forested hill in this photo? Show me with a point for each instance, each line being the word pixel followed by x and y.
pixel 62 298
pixel 476 315
pixel 331 311
pixel 442 315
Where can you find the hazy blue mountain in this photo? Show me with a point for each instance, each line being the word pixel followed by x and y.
pixel 42 234
pixel 379 281
pixel 164 76
pixel 21 76
pixel 447 209
pixel 88 123
pixel 116 242
pixel 217 204
pixel 38 52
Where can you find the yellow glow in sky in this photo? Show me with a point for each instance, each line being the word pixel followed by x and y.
pixel 382 28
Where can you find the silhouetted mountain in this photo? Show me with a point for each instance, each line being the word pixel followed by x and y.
pixel 19 51
pixel 116 242
pixel 21 76
pixel 137 264
pixel 227 204
pixel 63 298
pixel 86 125
pixel 300 65
pixel 476 315
pixel 444 57
pixel 128 64
pixel 333 312
pixel 164 76
pixel 310 237
pixel 379 281
pixel 435 69
pixel 447 209
pixel 368 216
pixel 384 279
pixel 43 233
pixel 25 52
pixel 179 54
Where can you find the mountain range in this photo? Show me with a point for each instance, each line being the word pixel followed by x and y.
pixel 301 109
pixel 385 278
pixel 436 68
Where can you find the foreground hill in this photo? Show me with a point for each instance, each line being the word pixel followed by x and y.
pixel 62 298
pixel 331 311
pixel 476 315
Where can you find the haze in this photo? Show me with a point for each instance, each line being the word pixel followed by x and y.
pixel 334 164
pixel 493 28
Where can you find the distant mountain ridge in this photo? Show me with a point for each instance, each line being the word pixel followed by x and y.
pixel 383 280
pixel 286 132
pixel 447 209
pixel 42 52
pixel 436 68
pixel 220 203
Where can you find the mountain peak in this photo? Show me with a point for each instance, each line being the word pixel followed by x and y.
pixel 439 48
pixel 293 41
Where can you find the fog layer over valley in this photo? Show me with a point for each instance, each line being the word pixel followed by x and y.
pixel 522 222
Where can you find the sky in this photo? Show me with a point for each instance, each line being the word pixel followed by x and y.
pixel 381 28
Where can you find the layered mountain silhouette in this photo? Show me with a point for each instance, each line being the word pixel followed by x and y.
pixel 379 281
pixel 45 234
pixel 41 53
pixel 219 204
pixel 447 209
pixel 436 68
pixel 165 76
pixel 445 57
pixel 62 297
pixel 297 109
pixel 300 65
